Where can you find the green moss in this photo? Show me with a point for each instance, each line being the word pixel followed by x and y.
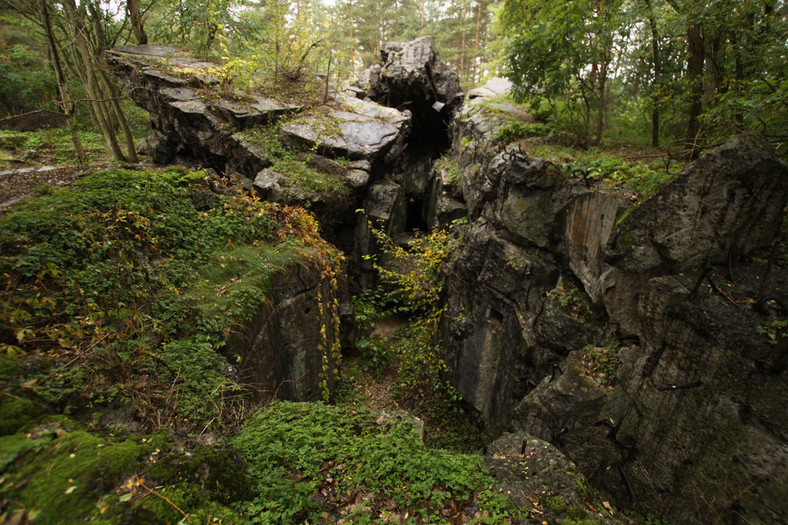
pixel 235 283
pixel 16 413
pixel 211 473
pixel 626 239
pixel 298 174
pixel 63 478
pixel 624 215
pixel 554 504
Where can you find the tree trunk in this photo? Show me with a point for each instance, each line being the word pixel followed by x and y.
pixel 476 40
pixel 65 102
pixel 92 88
pixel 137 24
pixel 695 78
pixel 655 83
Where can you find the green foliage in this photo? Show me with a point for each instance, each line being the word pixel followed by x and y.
pixel 617 63
pixel 602 362
pixel 570 298
pixel 122 271
pixel 203 391
pixel 295 449
pixel 563 51
pixel 378 354
pixel 774 330
pixel 637 177
pixel 450 167
pixel 53 147
pixel 515 130
pixel 411 284
pixel 25 79
pixel 414 274
pixel 500 508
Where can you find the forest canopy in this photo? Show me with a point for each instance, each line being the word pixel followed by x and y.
pixel 665 72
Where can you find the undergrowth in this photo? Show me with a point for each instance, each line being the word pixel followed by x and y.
pixel 364 469
pixel 122 292
pixel 638 177
pixel 411 286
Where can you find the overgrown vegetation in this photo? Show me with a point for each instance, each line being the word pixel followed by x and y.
pixel 601 362
pixel 411 288
pixel 124 291
pixel 51 147
pixel 515 130
pixel 286 162
pixel 638 177
pixel 296 451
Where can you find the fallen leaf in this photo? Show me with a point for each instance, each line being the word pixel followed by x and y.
pixel 19 485
pixel 71 489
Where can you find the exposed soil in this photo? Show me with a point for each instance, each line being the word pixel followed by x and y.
pixel 17 184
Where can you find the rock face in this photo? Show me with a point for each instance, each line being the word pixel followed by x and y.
pixel 413 77
pixel 644 340
pixel 198 119
pixel 283 349
pixel 629 336
pixel 359 130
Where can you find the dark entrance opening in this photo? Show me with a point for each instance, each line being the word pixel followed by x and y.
pixel 414 215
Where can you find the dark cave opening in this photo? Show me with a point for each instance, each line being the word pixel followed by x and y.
pixel 429 125
pixel 414 215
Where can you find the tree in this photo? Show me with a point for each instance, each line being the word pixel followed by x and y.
pixel 565 50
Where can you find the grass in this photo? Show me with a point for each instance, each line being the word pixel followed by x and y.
pixel 53 147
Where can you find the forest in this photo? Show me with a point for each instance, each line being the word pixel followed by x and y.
pixel 661 72
pixel 393 261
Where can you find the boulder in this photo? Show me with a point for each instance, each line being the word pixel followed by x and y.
pixel 495 87
pixel 356 130
pixel 730 201
pixel 538 477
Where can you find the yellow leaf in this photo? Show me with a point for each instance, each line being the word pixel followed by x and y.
pixel 71 489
